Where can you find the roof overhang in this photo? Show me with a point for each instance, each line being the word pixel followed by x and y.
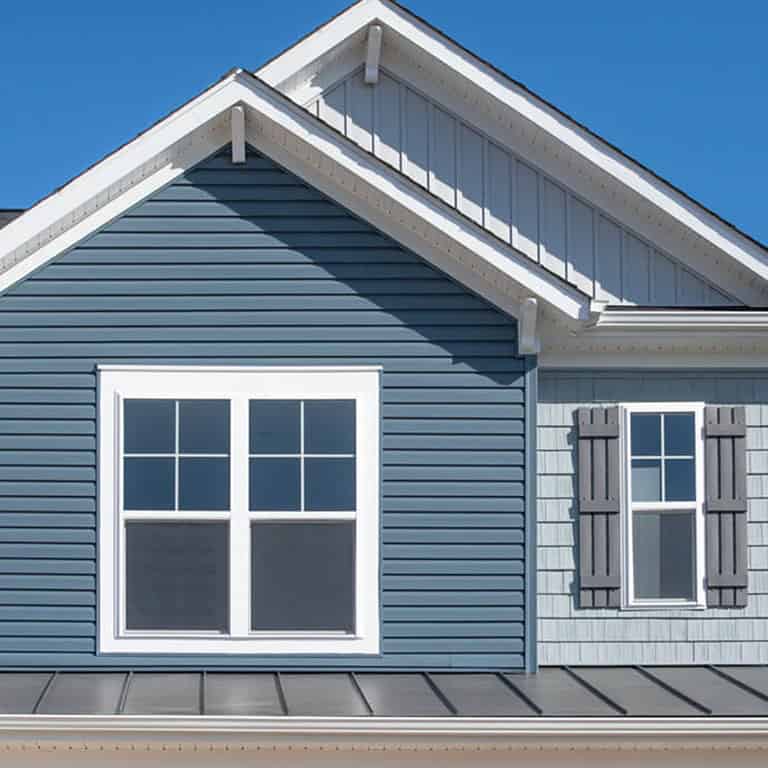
pixel 316 153
pixel 512 114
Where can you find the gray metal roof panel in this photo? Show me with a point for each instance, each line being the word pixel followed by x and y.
pixel 20 691
pixel 242 694
pixel 559 694
pixel 322 694
pixel 482 695
pixel 86 693
pixel 637 694
pixel 402 695
pixel 154 693
pixel 720 696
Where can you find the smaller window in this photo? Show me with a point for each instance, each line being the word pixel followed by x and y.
pixel 663 505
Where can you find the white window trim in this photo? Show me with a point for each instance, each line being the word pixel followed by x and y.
pixel 628 600
pixel 361 383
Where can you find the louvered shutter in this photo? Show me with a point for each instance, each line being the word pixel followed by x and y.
pixel 599 506
pixel 726 506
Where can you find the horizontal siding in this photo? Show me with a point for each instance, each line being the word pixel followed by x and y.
pixel 246 265
pixel 568 634
pixel 499 191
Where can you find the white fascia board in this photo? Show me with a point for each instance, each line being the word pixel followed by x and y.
pixel 451 56
pixel 694 320
pixel 100 195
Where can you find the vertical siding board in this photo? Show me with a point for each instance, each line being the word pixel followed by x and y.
pixel 387 141
pixel 546 222
pixel 471 178
pixel 415 137
pixel 527 211
pixel 499 195
pixel 342 297
pixel 333 107
pixel 442 156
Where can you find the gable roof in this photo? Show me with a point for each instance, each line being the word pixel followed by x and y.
pixel 298 72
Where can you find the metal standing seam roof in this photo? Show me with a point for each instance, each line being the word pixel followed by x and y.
pixel 600 692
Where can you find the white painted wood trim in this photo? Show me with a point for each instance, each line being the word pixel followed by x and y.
pixel 462 65
pixel 238 133
pixel 238 385
pixel 373 54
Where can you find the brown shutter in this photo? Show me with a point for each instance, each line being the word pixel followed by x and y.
pixel 599 523
pixel 726 506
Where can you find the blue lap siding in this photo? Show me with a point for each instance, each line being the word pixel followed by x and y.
pixel 247 265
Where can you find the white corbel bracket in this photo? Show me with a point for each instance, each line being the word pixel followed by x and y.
pixel 238 133
pixel 373 54
pixel 529 340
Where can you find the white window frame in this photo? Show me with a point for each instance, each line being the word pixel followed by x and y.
pixel 629 601
pixel 239 385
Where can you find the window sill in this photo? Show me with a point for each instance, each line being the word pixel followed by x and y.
pixel 283 644
pixel 664 605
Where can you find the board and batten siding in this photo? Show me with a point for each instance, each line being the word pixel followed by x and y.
pixel 247 265
pixel 509 197
pixel 568 634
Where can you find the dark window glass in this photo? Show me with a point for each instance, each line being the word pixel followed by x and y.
pixel 149 426
pixel 646 480
pixel 177 576
pixel 329 426
pixel 329 484
pixel 303 576
pixel 203 426
pixel 664 546
pixel 275 484
pixel 148 483
pixel 679 434
pixel 679 480
pixel 203 484
pixel 275 426
pixel 646 434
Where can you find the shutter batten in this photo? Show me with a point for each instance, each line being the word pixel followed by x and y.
pixel 599 506
pixel 726 506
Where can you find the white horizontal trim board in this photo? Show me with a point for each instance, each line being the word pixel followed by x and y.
pixel 238 385
pixel 464 67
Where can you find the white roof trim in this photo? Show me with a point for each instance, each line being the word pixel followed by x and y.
pixel 303 144
pixel 463 64
pixel 690 320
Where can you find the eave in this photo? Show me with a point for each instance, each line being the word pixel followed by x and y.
pixel 527 124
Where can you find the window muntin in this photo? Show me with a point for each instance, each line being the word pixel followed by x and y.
pixel 664 520
pixel 191 451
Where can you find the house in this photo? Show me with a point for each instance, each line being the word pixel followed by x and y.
pixel 370 402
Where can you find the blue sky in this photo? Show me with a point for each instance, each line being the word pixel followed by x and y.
pixel 680 86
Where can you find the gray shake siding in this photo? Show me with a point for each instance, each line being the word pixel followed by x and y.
pixel 570 635
pixel 246 265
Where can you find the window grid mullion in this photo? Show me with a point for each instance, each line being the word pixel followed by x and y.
pixel 176 456
pixel 301 457
pixel 239 521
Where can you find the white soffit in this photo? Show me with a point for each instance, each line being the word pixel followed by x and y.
pixel 537 131
pixel 316 153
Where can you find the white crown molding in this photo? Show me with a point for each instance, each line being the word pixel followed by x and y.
pixel 631 193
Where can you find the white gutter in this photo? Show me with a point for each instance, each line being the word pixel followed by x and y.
pixel 449 727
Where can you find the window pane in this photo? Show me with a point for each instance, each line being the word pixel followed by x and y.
pixel 329 426
pixel 646 434
pixel 149 426
pixel 646 480
pixel 148 483
pixel 176 576
pixel 203 426
pixel 303 576
pixel 679 434
pixel 329 484
pixel 679 480
pixel 275 485
pixel 203 484
pixel 275 426
pixel 664 546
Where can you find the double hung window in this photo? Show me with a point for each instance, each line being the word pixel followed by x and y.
pixel 664 520
pixel 238 510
